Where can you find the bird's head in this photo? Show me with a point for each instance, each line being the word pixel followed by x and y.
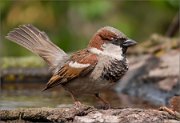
pixel 111 40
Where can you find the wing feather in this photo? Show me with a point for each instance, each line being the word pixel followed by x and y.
pixel 68 72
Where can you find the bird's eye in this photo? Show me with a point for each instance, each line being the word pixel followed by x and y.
pixel 112 38
pixel 115 41
pixel 122 39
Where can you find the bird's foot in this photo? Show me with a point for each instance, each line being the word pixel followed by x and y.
pixel 77 104
pixel 104 106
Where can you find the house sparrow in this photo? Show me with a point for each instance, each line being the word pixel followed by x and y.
pixel 88 71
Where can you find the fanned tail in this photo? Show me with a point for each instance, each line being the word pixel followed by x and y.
pixel 38 42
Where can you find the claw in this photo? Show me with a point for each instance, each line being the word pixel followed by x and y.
pixel 106 103
pixel 77 104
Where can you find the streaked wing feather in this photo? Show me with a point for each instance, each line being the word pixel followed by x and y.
pixel 67 73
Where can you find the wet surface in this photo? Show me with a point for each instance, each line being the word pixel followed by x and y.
pixel 15 95
pixel 20 95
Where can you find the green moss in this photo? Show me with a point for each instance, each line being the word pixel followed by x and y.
pixel 25 62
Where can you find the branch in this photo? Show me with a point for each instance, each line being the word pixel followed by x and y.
pixel 173 27
pixel 87 114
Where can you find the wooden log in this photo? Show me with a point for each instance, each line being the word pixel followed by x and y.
pixel 87 114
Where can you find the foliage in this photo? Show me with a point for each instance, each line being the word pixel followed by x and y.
pixel 70 24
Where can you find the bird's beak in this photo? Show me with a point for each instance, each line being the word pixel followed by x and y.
pixel 129 43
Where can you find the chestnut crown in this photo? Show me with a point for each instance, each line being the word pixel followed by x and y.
pixel 110 35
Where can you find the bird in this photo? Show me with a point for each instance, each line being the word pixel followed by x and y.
pixel 91 70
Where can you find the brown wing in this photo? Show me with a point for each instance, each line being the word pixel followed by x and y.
pixel 79 64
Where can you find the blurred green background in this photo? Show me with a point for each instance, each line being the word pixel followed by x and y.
pixel 70 24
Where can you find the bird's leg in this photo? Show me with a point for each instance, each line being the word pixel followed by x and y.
pixel 106 103
pixel 76 101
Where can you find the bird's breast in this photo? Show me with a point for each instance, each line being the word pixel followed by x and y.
pixel 110 69
pixel 115 70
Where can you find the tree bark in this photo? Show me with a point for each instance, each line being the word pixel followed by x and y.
pixel 87 114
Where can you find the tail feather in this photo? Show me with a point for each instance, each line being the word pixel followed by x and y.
pixel 44 89
pixel 38 42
